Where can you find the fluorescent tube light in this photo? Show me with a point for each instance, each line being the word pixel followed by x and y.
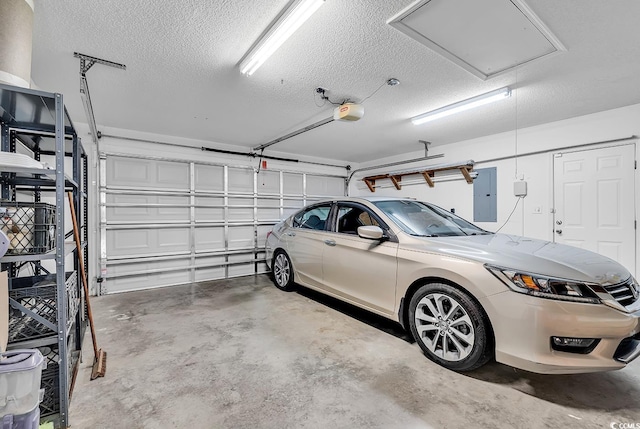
pixel 288 22
pixel 461 106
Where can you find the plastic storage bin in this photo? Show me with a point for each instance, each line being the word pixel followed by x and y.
pixel 25 421
pixel 20 375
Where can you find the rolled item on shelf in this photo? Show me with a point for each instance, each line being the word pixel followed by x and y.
pixel 16 40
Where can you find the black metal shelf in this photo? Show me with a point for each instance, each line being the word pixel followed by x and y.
pixel 43 306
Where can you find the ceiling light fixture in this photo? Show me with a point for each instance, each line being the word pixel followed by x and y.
pixel 461 106
pixel 281 29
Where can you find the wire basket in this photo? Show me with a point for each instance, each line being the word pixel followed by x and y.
pixel 30 227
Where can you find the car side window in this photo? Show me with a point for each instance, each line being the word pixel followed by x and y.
pixel 312 218
pixel 350 218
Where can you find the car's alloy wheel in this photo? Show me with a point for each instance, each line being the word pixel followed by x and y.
pixel 450 327
pixel 445 327
pixel 282 271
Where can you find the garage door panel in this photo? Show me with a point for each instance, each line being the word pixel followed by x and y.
pixel 240 237
pixel 293 203
pixel 212 268
pixel 173 239
pixel 268 209
pixel 173 208
pixel 130 212
pixel 292 184
pixel 268 202
pixel 268 182
pixel 241 270
pixel 149 281
pixel 122 269
pixel 147 174
pixel 291 206
pixel 134 242
pixel 325 186
pixel 263 230
pixel 124 208
pixel 204 213
pixel 241 265
pixel 209 214
pixel 128 242
pixel 240 209
pixel 265 214
pixel 240 180
pixel 237 214
pixel 209 178
pixel 209 201
pixel 209 239
pixel 173 175
pixel 127 172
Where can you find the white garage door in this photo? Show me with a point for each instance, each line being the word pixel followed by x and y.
pixel 167 222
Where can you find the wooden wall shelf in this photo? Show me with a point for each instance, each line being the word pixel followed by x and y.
pixel 428 174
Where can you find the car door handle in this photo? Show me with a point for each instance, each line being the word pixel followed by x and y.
pixel 291 234
pixel 329 242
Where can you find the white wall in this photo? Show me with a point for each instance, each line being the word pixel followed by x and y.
pixel 535 169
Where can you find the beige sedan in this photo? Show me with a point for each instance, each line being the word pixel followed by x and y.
pixel 467 295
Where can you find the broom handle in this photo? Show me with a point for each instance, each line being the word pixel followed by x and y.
pixel 76 236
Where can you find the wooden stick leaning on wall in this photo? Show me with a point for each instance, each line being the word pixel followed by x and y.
pixel 100 356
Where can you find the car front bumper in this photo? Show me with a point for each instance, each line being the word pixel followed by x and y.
pixel 524 325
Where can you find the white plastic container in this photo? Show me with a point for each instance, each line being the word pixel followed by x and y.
pixel 20 375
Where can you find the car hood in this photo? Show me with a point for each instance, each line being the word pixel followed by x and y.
pixel 528 254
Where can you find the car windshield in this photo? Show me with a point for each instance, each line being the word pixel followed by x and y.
pixel 426 220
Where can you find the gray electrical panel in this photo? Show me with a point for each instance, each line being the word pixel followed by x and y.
pixel 485 203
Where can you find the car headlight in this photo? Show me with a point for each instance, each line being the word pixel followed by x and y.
pixel 545 287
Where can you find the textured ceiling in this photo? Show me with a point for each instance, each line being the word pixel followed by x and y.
pixel 182 77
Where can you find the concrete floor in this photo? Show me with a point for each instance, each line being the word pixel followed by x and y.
pixel 241 354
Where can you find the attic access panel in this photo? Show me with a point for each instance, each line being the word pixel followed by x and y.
pixel 485 37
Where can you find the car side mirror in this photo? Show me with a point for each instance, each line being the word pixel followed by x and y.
pixel 371 232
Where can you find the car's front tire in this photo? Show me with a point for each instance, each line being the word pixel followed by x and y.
pixel 282 271
pixel 450 327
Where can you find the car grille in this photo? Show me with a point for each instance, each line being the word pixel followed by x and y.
pixel 624 293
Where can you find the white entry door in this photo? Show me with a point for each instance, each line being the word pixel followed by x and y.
pixel 594 198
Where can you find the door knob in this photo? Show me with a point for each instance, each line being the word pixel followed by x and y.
pixel 558 231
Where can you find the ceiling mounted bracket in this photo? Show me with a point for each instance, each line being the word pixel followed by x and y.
pixel 86 62
pixel 426 147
